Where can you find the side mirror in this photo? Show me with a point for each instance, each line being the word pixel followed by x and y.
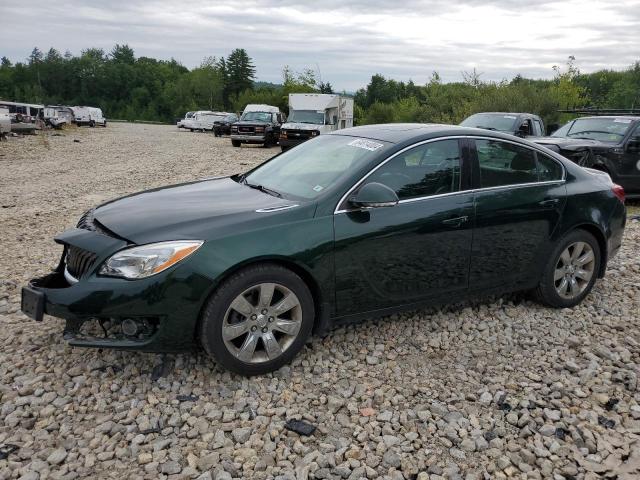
pixel 633 145
pixel 374 195
pixel 523 131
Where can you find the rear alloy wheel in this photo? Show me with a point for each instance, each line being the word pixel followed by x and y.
pixel 258 320
pixel 571 271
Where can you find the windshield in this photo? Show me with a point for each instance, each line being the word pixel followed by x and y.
pixel 306 116
pixel 491 121
pixel 259 116
pixel 610 130
pixel 314 166
pixel 212 117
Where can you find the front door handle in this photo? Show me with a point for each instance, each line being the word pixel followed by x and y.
pixel 550 202
pixel 455 222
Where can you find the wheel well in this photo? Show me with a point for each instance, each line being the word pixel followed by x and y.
pixel 602 243
pixel 306 277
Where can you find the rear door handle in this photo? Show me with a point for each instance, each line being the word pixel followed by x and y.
pixel 456 222
pixel 549 202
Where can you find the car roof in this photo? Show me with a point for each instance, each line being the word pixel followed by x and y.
pixel 409 132
pixel 505 113
pixel 630 117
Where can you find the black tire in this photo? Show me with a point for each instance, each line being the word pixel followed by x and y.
pixel 546 292
pixel 284 149
pixel 213 316
pixel 236 143
pixel 92 124
pixel 104 125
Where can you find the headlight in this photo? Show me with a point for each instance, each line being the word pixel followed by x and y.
pixel 147 260
pixel 259 129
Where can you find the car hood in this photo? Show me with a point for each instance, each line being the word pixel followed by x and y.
pixel 569 143
pixel 200 210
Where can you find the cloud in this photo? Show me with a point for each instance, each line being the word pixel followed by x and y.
pixel 347 41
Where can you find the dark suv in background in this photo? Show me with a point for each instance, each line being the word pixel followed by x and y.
pixel 522 125
pixel 223 126
pixel 607 143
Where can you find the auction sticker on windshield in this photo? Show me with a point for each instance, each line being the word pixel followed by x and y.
pixel 366 144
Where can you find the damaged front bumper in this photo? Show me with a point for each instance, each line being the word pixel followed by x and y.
pixel 154 314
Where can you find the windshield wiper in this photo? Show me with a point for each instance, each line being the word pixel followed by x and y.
pixel 262 188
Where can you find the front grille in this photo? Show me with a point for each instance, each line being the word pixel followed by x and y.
pixel 79 261
pixel 249 130
pixel 298 134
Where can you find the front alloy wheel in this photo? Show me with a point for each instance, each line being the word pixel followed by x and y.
pixel 258 319
pixel 262 322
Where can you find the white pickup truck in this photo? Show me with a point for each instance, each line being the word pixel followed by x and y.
pixel 312 114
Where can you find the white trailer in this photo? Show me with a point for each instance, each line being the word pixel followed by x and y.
pixel 312 114
pixel 22 112
pixel 203 120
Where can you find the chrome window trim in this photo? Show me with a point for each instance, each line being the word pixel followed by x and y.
pixel 276 209
pixel 454 137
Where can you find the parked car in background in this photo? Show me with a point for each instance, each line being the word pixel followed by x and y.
pixel 57 115
pixel 607 143
pixel 90 116
pixel 203 121
pixel 5 122
pixel 187 116
pixel 258 124
pixel 312 114
pixel 519 124
pixel 223 126
pixel 358 223
pixel 22 112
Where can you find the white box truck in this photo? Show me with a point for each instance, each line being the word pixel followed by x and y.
pixel 312 114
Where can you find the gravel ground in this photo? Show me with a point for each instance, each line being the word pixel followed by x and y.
pixel 496 389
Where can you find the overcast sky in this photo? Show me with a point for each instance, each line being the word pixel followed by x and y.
pixel 347 40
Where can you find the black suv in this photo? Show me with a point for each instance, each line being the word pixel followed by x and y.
pixel 520 124
pixel 257 127
pixel 223 126
pixel 607 143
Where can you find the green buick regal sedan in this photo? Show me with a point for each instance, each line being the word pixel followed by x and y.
pixel 355 224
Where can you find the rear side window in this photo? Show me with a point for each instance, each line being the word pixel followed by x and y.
pixel 537 128
pixel 429 169
pixel 548 169
pixel 503 163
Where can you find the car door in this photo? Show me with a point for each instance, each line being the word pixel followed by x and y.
pixel 519 197
pixel 628 171
pixel 420 248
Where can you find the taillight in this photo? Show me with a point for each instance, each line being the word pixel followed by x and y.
pixel 618 191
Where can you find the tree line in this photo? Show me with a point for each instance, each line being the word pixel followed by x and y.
pixel 142 88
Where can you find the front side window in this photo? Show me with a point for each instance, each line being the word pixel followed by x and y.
pixel 503 163
pixel 429 169
pixel 537 128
